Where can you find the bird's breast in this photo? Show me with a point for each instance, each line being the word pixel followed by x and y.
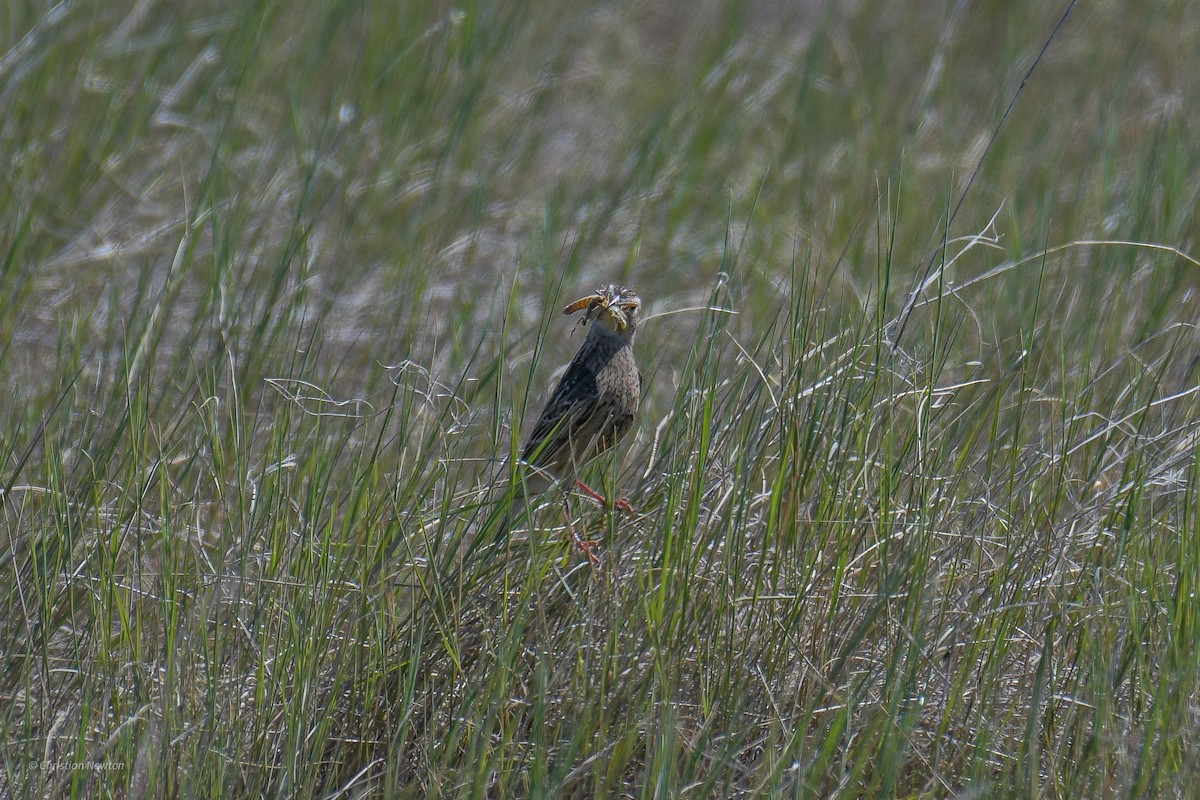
pixel 619 380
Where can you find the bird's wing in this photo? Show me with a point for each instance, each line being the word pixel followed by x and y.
pixel 572 399
pixel 562 421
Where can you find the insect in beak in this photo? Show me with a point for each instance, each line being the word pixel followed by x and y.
pixel 594 303
pixel 591 302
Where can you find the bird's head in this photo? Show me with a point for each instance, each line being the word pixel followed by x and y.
pixel 616 308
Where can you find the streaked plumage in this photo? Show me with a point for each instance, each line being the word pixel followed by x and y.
pixel 596 402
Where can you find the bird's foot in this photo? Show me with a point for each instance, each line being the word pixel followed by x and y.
pixel 586 546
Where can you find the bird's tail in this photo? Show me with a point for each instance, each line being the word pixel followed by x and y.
pixel 512 500
pixel 524 493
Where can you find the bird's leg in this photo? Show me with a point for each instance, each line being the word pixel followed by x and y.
pixel 585 545
pixel 622 504
pixel 599 498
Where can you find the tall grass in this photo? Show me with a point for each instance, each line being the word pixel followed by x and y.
pixel 915 496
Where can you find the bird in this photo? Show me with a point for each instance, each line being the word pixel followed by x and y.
pixel 594 405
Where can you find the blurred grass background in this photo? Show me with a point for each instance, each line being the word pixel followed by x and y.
pixel 279 283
